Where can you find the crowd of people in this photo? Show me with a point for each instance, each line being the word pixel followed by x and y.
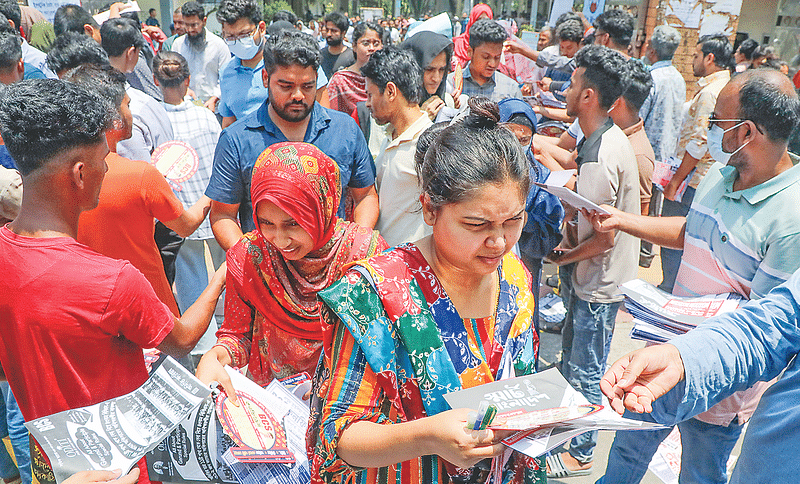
pixel 365 208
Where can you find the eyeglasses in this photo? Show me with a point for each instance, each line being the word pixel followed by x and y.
pixel 231 38
pixel 713 119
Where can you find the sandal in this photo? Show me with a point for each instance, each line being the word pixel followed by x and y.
pixel 557 468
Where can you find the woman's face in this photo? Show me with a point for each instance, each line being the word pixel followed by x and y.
pixel 434 73
pixel 367 45
pixel 473 235
pixel 282 231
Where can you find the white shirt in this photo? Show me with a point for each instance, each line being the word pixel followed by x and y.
pixel 204 64
pixel 35 57
pixel 151 126
pixel 400 218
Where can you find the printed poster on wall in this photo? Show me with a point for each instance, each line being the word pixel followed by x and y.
pixel 592 9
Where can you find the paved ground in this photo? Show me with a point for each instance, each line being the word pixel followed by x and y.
pixel 621 344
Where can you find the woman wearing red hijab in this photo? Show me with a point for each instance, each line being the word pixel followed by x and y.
pixel 461 42
pixel 272 319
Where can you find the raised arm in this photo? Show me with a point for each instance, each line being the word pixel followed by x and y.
pixel 664 231
pixel 194 322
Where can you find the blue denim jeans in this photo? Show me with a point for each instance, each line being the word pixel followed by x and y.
pixel 671 258
pixel 592 328
pixel 191 278
pixel 567 295
pixel 706 449
pixel 12 424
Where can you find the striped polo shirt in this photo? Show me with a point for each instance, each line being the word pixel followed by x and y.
pixel 745 241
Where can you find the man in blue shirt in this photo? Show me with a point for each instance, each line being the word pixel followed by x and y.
pixel 290 114
pixel 724 355
pixel 242 88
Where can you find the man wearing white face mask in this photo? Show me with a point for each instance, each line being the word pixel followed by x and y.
pixel 241 85
pixel 244 30
pixel 741 235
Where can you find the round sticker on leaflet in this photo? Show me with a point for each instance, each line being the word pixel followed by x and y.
pixel 250 424
pixel 176 160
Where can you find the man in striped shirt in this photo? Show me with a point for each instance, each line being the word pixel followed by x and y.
pixel 742 234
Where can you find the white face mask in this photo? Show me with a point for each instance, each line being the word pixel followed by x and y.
pixel 714 143
pixel 244 48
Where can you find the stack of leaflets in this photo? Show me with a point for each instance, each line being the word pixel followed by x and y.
pixel 659 316
pixel 545 408
pixel 262 439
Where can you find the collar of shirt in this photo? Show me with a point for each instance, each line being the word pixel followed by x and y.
pixel 632 129
pixel 724 74
pixel 587 143
pixel 320 119
pixel 764 190
pixel 237 64
pixel 412 132
pixel 660 64
pixel 185 105
pixel 466 74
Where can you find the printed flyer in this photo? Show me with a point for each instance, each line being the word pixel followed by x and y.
pixel 117 433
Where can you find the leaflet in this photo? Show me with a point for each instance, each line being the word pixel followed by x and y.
pixel 572 198
pixel 295 423
pixel 117 433
pixel 534 393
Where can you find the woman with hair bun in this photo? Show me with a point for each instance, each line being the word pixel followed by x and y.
pixel 447 312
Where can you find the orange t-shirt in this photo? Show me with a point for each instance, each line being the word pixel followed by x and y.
pixel 133 195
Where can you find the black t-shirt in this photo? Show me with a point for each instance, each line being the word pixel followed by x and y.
pixel 332 63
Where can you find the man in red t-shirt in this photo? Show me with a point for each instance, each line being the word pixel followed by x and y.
pixel 133 196
pixel 74 321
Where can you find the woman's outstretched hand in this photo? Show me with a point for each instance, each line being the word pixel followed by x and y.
pixel 212 368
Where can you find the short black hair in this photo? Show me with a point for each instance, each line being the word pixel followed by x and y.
pixel 339 20
pixel 41 118
pixel 638 84
pixel 70 50
pixel 119 35
pixel 193 9
pixel 486 31
pixel 132 16
pixel 284 15
pixel 762 101
pixel 391 64
pixel 151 10
pixel 5 27
pixel 231 11
pixel 72 18
pixel 565 17
pixel 170 68
pixel 605 71
pixel 10 50
pixel 291 48
pixel 11 10
pixel 747 48
pixel 571 31
pixel 362 28
pixel 720 46
pixel 105 81
pixel 618 24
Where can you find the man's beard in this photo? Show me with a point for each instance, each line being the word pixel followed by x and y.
pixel 197 40
pixel 284 113
pixel 334 41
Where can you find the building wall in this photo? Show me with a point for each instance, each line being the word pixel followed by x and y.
pixel 657 15
pixel 758 18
